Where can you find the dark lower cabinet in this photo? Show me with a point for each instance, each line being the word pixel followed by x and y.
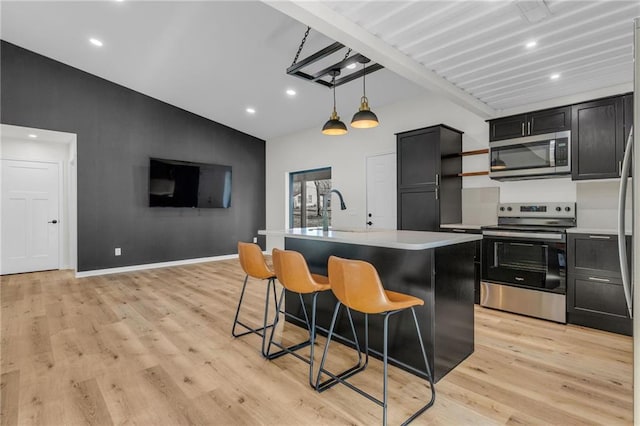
pixel 595 295
pixel 477 260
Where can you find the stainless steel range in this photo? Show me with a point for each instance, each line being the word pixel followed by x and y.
pixel 524 266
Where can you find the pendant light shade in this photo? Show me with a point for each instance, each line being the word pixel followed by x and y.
pixel 364 118
pixel 334 127
pixel 498 164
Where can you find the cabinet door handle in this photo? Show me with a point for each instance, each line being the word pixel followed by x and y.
pixel 528 127
pixel 437 179
pixel 619 168
pixel 523 128
pixel 437 193
pixel 600 237
pixel 458 230
pixel 602 280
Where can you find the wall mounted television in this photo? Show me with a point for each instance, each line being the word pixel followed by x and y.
pixel 174 183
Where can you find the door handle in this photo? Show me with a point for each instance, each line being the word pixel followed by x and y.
pixel 54 221
pixel 523 128
pixel 369 223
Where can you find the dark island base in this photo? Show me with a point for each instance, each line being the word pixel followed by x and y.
pixel 443 277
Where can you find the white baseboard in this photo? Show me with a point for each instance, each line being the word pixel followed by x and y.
pixel 133 268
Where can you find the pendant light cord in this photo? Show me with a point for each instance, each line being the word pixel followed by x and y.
pixel 364 73
pixel 333 83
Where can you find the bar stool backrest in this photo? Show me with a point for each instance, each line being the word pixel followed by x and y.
pixel 357 285
pixel 253 262
pixel 292 271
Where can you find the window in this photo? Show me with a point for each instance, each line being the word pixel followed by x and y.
pixel 310 186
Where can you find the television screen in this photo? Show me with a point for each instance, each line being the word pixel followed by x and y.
pixel 175 183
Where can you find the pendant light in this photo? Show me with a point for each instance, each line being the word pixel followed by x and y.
pixel 498 164
pixel 364 118
pixel 334 127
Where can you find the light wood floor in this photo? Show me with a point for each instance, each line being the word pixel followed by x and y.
pixel 154 348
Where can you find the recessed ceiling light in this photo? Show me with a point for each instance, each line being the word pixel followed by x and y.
pixel 554 76
pixel 531 44
pixel 32 136
pixel 291 92
pixel 95 42
pixel 351 66
pixel 251 110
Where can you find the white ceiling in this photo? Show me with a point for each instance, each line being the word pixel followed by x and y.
pixel 217 58
pixel 479 46
pixel 212 58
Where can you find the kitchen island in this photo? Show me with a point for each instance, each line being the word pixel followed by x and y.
pixel 437 267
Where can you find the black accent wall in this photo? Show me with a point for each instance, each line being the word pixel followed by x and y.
pixel 117 130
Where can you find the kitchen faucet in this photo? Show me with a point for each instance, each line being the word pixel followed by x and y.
pixel 325 217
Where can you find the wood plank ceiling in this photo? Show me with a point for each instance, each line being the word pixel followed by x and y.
pixel 480 46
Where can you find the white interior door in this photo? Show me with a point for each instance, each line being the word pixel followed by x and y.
pixel 381 192
pixel 30 230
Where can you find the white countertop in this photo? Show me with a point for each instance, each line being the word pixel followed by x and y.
pixel 406 240
pixel 460 226
pixel 603 231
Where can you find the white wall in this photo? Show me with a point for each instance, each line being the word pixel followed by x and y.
pixel 347 154
pixel 34 150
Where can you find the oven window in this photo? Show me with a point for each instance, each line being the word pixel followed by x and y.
pixel 537 265
pixel 521 256
pixel 520 156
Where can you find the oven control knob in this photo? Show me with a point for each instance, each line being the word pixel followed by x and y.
pixel 501 209
pixel 558 209
pixel 567 209
pixel 509 209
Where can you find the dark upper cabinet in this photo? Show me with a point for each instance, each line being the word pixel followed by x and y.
pixel 429 185
pixel 508 127
pixel 549 121
pixel 597 139
pixel 595 295
pixel 533 123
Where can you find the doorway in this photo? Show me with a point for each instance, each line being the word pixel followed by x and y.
pixel 38 222
pixel 381 192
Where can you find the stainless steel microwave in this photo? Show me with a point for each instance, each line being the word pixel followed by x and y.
pixel 531 157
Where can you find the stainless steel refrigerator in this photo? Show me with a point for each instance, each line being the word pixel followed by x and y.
pixel 631 277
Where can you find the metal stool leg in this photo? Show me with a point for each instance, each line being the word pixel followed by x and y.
pixel 385 365
pixel 290 349
pixel 429 376
pixel 260 331
pixel 358 367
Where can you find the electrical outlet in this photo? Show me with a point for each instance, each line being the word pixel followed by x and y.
pixel 118 251
pixel 255 240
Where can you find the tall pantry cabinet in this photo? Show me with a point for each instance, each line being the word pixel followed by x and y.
pixel 429 178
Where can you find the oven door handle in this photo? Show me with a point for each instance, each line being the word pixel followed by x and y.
pixel 528 235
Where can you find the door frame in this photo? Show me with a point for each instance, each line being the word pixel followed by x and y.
pixel 67 212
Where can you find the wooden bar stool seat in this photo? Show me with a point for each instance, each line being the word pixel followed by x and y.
pixel 255 266
pixel 356 284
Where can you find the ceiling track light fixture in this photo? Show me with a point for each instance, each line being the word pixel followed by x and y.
pixel 298 67
pixel 364 118
pixel 334 127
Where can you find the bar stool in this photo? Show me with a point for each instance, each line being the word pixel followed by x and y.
pixel 356 284
pixel 254 265
pixel 294 275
